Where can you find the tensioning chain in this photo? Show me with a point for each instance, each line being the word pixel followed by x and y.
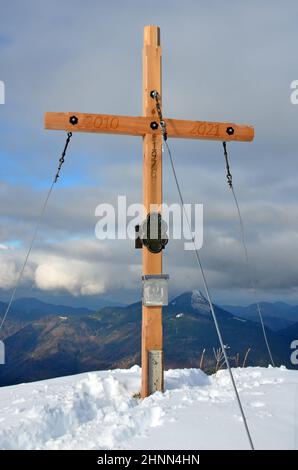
pixel 62 158
pixel 229 174
pixel 156 96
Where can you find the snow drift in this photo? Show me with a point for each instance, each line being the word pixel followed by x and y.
pixel 99 410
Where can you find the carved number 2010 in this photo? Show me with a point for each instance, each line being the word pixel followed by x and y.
pixel 106 122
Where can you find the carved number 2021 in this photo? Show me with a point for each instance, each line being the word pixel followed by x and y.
pixel 205 129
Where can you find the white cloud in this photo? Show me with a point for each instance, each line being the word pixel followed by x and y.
pixel 76 277
pixel 80 267
pixel 8 274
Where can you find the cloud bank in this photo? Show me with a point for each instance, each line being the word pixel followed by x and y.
pixel 230 61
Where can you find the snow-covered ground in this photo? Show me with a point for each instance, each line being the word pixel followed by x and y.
pixel 98 411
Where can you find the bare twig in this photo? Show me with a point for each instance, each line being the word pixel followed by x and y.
pixel 245 357
pixel 237 358
pixel 202 359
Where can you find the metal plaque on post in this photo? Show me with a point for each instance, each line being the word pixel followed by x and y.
pixel 155 363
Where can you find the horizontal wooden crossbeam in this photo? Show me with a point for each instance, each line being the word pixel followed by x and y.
pixel 139 126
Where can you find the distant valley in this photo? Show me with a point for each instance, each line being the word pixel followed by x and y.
pixel 44 340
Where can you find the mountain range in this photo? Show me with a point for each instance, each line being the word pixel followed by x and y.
pixel 44 340
pixel 276 316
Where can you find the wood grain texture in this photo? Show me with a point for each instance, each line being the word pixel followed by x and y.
pixel 152 194
pixel 140 126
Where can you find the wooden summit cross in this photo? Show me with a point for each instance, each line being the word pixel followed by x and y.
pixel 147 127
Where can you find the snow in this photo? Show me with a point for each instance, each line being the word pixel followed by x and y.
pixel 100 410
pixel 199 302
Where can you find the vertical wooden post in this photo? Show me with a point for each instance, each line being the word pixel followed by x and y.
pixel 152 194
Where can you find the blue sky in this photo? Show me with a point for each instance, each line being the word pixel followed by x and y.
pixel 231 60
